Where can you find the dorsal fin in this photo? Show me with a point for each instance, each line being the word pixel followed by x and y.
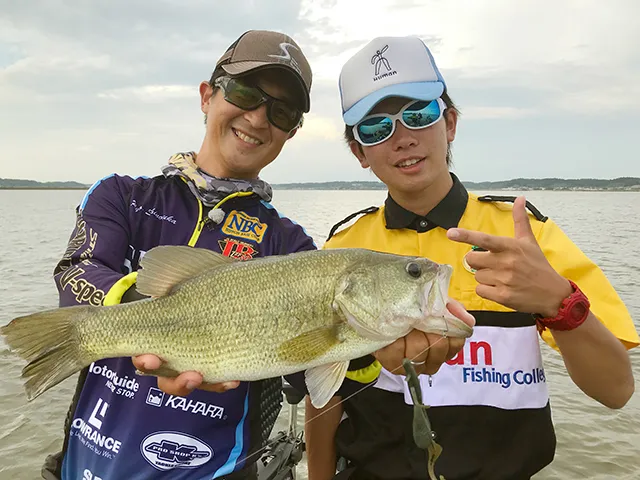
pixel 497 198
pixel 350 217
pixel 166 266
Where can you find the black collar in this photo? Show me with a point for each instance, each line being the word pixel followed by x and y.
pixel 445 214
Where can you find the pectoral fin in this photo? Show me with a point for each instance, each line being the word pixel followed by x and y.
pixel 324 381
pixel 309 345
pixel 166 266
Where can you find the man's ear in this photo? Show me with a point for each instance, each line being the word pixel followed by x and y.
pixel 206 92
pixel 357 150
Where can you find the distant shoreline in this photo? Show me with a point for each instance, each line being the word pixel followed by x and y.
pixel 470 188
pixel 622 184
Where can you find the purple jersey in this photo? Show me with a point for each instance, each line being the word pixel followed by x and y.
pixel 120 424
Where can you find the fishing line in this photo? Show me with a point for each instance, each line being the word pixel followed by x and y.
pixel 371 384
pixel 275 440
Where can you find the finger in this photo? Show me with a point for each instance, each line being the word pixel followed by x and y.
pixel 521 223
pixel 457 310
pixel 455 345
pixel 147 362
pixel 391 356
pixel 493 243
pixel 181 385
pixel 480 260
pixel 219 387
pixel 487 277
pixel 417 349
pixel 488 292
pixel 437 353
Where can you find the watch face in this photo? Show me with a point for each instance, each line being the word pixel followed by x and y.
pixel 579 310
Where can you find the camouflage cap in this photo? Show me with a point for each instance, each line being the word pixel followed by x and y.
pixel 257 49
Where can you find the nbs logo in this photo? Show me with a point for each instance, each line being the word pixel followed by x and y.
pixel 239 224
pixel 168 450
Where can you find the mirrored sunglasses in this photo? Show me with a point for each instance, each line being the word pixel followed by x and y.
pixel 415 115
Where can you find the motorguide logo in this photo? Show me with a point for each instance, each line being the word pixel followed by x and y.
pixel 169 450
pixel 124 386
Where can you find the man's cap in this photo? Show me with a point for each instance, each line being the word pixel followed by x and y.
pixel 258 49
pixel 388 67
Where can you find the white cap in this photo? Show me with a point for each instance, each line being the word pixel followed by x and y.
pixel 388 67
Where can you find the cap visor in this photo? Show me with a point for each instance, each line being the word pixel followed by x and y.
pixel 240 68
pixel 417 90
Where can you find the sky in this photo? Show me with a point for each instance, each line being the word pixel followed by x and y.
pixel 547 88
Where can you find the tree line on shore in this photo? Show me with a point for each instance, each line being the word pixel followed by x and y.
pixel 621 183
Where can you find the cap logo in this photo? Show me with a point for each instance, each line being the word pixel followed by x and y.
pixel 379 60
pixel 286 56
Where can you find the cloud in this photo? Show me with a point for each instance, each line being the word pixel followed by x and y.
pixel 321 127
pixel 149 93
pixel 90 88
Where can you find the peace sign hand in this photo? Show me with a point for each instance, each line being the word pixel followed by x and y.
pixel 514 271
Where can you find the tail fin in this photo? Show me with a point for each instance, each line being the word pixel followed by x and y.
pixel 49 342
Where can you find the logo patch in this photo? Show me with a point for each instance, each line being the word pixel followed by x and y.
pixel 232 248
pixel 378 61
pixel 286 55
pixel 239 224
pixel 155 397
pixel 465 264
pixel 124 386
pixel 88 433
pixel 168 450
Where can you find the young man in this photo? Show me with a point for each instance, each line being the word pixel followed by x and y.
pixel 121 425
pixel 516 272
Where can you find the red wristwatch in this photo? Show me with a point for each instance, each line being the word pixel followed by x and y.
pixel 573 311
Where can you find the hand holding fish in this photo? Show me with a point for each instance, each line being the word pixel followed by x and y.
pixel 184 383
pixel 514 271
pixel 428 351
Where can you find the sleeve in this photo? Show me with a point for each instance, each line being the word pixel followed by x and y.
pixel 90 271
pixel 570 262
pixel 294 238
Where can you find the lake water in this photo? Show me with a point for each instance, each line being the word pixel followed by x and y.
pixel 593 442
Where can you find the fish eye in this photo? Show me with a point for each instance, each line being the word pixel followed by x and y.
pixel 414 269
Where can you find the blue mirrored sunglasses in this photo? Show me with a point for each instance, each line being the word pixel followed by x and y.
pixel 415 115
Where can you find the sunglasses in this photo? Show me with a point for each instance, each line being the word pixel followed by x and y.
pixel 415 115
pixel 280 114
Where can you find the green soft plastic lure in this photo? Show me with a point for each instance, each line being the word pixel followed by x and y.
pixel 422 433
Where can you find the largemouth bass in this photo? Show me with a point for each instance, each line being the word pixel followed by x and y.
pixel 234 320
